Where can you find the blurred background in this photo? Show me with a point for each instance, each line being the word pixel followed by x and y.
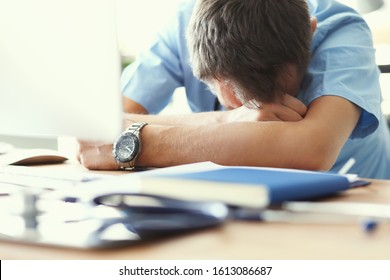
pixel 138 21
pixel 376 13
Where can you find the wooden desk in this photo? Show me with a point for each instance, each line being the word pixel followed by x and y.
pixel 246 240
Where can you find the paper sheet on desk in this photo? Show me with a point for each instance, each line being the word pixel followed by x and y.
pixel 19 179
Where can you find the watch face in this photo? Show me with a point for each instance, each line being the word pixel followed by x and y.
pixel 126 147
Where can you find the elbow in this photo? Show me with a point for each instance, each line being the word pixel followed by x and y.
pixel 319 163
pixel 316 156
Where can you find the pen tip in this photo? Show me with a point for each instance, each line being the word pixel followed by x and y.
pixel 369 225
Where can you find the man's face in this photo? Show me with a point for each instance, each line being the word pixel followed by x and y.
pixel 288 82
pixel 225 93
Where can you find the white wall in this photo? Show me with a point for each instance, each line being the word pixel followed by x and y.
pixel 138 20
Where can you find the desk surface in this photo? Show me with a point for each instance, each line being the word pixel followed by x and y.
pixel 245 240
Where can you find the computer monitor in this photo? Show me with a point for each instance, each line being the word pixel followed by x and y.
pixel 59 69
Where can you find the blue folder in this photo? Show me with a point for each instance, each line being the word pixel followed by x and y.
pixel 283 185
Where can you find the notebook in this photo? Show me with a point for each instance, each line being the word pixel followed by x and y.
pixel 244 186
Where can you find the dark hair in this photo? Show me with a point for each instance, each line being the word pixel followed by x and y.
pixel 250 43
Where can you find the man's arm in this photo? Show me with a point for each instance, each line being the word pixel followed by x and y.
pixel 312 143
pixel 288 108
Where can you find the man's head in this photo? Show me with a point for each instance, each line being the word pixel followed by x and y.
pixel 259 49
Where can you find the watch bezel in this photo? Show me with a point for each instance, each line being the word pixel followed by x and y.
pixel 133 152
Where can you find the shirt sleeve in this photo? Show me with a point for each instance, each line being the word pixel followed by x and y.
pixel 343 64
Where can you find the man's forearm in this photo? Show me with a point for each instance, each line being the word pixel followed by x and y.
pixel 313 143
pixel 178 120
pixel 246 143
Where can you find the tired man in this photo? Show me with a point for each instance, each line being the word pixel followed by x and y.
pixel 287 83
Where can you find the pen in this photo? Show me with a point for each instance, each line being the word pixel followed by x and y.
pixel 347 166
pixel 366 214
pixel 370 214
pixel 379 211
pixel 285 216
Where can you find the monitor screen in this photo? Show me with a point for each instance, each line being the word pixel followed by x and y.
pixel 59 69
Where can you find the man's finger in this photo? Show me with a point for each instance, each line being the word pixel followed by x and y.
pixel 294 104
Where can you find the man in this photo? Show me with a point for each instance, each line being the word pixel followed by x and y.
pixel 297 78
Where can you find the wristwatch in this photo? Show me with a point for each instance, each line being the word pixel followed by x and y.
pixel 128 146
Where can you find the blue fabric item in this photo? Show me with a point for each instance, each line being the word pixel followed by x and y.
pixel 343 64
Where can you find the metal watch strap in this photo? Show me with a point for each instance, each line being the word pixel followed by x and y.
pixel 135 128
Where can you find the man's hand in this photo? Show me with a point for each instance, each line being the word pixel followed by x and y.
pixel 288 109
pixel 96 156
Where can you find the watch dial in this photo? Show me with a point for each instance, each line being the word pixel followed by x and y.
pixel 127 146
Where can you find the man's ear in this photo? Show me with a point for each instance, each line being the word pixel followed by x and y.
pixel 313 22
